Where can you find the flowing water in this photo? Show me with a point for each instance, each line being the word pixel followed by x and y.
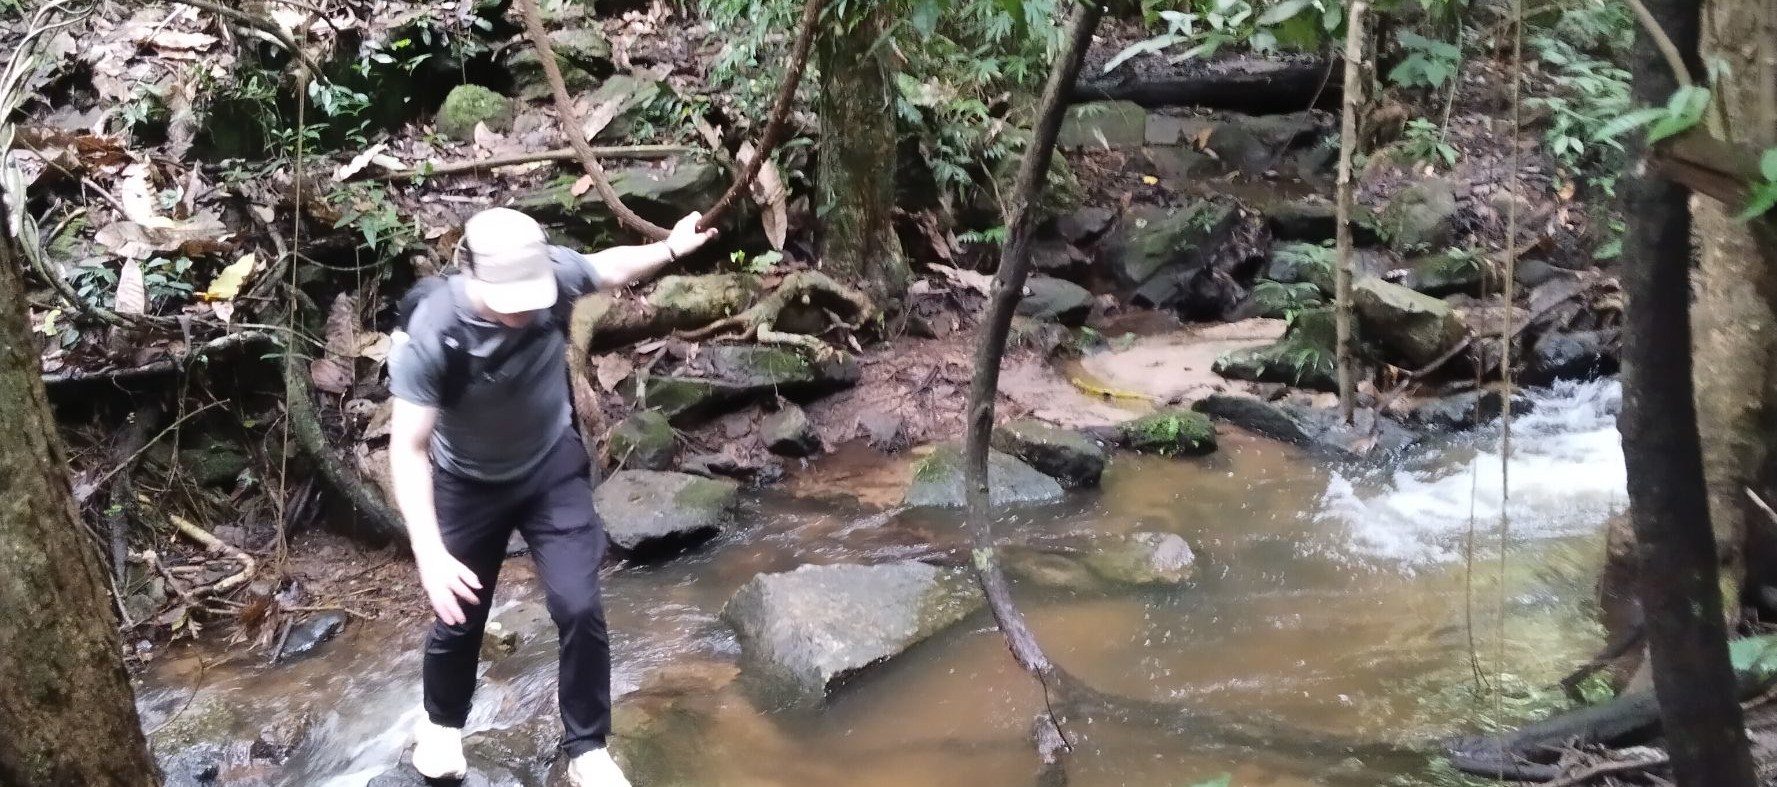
pixel 1333 599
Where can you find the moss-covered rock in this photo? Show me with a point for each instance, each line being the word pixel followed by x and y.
pixel 1451 272
pixel 469 105
pixel 661 193
pixel 213 464
pixel 643 441
pixel 1305 356
pixel 1171 431
pixel 1312 427
pixel 1411 327
pixel 1151 240
pixel 1421 217
pixel 581 53
pixel 651 513
pixel 938 480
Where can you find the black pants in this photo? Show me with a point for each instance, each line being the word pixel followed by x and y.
pixel 553 509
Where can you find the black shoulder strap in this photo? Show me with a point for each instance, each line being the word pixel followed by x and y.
pixel 457 356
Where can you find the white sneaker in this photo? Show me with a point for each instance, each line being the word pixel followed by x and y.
pixel 596 769
pixel 438 751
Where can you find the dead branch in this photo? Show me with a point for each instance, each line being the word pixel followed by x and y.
pixel 267 27
pixel 1008 288
pixel 641 152
pixel 214 544
pixel 122 497
pixel 228 342
pixel 1587 774
pixel 801 287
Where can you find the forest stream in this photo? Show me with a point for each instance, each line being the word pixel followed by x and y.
pixel 1329 597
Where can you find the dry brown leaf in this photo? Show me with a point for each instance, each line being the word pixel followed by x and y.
pixel 136 194
pixel 1202 139
pixel 485 138
pixel 224 310
pixel 342 327
pixel 581 186
pixel 358 162
pixel 202 235
pixel 379 420
pixel 602 115
pixel 612 369
pixel 374 346
pixel 768 190
pixel 176 39
pixel 132 294
pixel 330 375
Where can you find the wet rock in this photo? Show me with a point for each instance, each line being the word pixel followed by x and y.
pixel 1053 299
pixel 1535 273
pixel 1310 427
pixel 1097 562
pixel 1422 217
pixel 1116 124
pixel 469 105
pixel 1255 144
pixel 807 630
pixel 722 377
pixel 311 633
pixel 1067 456
pixel 1304 357
pixel 1151 240
pixel 938 480
pixel 651 513
pixel 1316 220
pixel 581 53
pixel 1451 272
pixel 643 441
pixel 679 398
pixel 788 432
pixel 404 775
pixel 884 430
pixel 1084 226
pixel 1411 327
pixel 1038 336
pixel 1576 355
pixel 725 465
pixel 214 464
pixel 1171 432
pixel 497 641
pixel 1058 259
pixel 1176 164
pixel 1464 411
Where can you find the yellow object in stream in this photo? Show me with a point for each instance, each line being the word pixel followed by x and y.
pixel 1112 393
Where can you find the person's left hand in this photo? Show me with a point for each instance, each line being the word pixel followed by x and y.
pixel 685 238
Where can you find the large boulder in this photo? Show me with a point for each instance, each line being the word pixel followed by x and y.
pixel 1464 411
pixel 649 513
pixel 1065 455
pixel 1171 432
pixel 1053 299
pixel 307 637
pixel 1411 327
pixel 938 480
pixel 469 105
pixel 661 192
pixel 643 441
pixel 1151 240
pixel 1255 144
pixel 1310 427
pixel 802 632
pixel 1421 217
pixel 1306 356
pixel 1576 355
pixel 581 53
pixel 725 376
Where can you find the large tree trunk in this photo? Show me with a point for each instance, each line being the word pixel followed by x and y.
pixel 856 182
pixel 1680 586
pixel 1735 322
pixel 67 716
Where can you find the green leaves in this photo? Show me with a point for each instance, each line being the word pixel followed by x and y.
pixel 1682 112
pixel 1428 63
pixel 1764 195
pixel 1284 11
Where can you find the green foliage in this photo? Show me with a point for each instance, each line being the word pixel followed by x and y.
pixel 163 281
pixel 1424 141
pixel 1223 780
pixel 1293 298
pixel 757 264
pixel 1764 195
pixel 1594 92
pixel 1428 63
pixel 368 209
pixel 1204 27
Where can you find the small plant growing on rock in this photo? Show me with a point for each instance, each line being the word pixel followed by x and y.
pixel 1424 141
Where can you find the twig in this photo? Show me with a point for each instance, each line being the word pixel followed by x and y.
pixel 164 366
pixel 267 27
pixel 1762 505
pixel 348 610
pixel 559 154
pixel 1608 768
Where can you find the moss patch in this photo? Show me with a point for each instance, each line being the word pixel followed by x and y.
pixel 468 105
pixel 1172 431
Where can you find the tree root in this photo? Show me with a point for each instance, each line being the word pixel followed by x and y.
pixel 121 511
pixel 228 342
pixel 248 565
pixel 559 154
pixel 851 307
pixel 345 479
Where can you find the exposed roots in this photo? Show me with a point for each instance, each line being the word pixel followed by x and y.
pixel 850 307
pixel 345 479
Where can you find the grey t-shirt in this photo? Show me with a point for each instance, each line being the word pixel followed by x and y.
pixel 502 427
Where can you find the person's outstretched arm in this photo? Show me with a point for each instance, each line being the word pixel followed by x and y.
pixel 445 578
pixel 621 266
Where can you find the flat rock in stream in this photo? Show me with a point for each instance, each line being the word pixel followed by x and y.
pixel 1310 427
pixel 309 635
pixel 805 631
pixel 1098 562
pixel 655 513
pixel 938 480
pixel 1466 410
pixel 1169 432
pixel 1065 455
pixel 724 376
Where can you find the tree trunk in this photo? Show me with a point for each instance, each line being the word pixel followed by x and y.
pixel 856 181
pixel 1668 498
pixel 1735 322
pixel 1354 53
pixel 67 715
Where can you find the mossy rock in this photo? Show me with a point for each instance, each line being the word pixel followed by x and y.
pixel 938 480
pixel 1172 432
pixel 582 54
pixel 1414 328
pixel 216 464
pixel 469 105
pixel 1065 455
pixel 643 441
pixel 1306 356
pixel 650 513
pixel 1421 217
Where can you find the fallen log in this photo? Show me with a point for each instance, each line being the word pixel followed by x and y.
pixel 1252 85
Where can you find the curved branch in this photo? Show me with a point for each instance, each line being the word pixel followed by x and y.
pixel 305 422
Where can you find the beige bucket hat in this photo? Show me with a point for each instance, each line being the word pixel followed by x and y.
pixel 509 266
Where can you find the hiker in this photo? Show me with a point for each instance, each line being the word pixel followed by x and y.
pixel 483 442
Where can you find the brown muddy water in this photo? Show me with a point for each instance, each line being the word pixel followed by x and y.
pixel 1330 599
